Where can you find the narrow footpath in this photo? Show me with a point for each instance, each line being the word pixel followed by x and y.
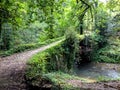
pixel 12 69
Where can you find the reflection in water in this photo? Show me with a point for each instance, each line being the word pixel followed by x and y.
pixel 95 70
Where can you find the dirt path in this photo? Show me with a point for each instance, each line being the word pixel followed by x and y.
pixel 108 85
pixel 12 69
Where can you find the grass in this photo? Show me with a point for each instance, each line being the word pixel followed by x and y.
pixel 61 77
pixel 103 79
pixel 58 79
pixel 26 47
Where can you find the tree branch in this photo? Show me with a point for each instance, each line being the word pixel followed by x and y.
pixel 85 3
pixel 77 1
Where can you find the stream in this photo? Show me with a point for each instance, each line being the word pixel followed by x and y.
pixel 97 70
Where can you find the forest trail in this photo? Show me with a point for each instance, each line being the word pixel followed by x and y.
pixel 12 69
pixel 105 85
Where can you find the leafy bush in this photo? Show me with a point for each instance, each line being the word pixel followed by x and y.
pixel 37 65
pixel 71 46
pixel 58 58
pixel 43 62
pixel 51 59
pixel 23 47
pixel 110 53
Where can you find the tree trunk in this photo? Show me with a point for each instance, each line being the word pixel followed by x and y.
pixel 96 18
pixel 51 19
pixel 0 26
pixel 0 20
pixel 77 1
pixel 81 27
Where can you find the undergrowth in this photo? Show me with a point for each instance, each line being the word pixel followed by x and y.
pixel 61 79
pixel 26 47
pixel 109 53
pixel 103 78
pixel 53 63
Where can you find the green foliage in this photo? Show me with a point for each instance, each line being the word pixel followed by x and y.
pixel 71 46
pixel 6 36
pixel 25 47
pixel 114 5
pixel 36 23
pixel 60 79
pixel 42 62
pixel 116 21
pixel 109 53
pixel 32 22
pixel 58 58
pixel 37 65
pixel 102 78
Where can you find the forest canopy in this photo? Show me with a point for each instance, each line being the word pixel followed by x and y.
pixel 28 22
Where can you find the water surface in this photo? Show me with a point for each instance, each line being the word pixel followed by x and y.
pixel 97 70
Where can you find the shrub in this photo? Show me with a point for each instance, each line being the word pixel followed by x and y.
pixel 71 47
pixel 44 62
pixel 23 47
pixel 37 65
pixel 58 58
pixel 109 53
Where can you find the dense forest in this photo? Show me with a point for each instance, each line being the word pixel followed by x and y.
pixel 60 44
